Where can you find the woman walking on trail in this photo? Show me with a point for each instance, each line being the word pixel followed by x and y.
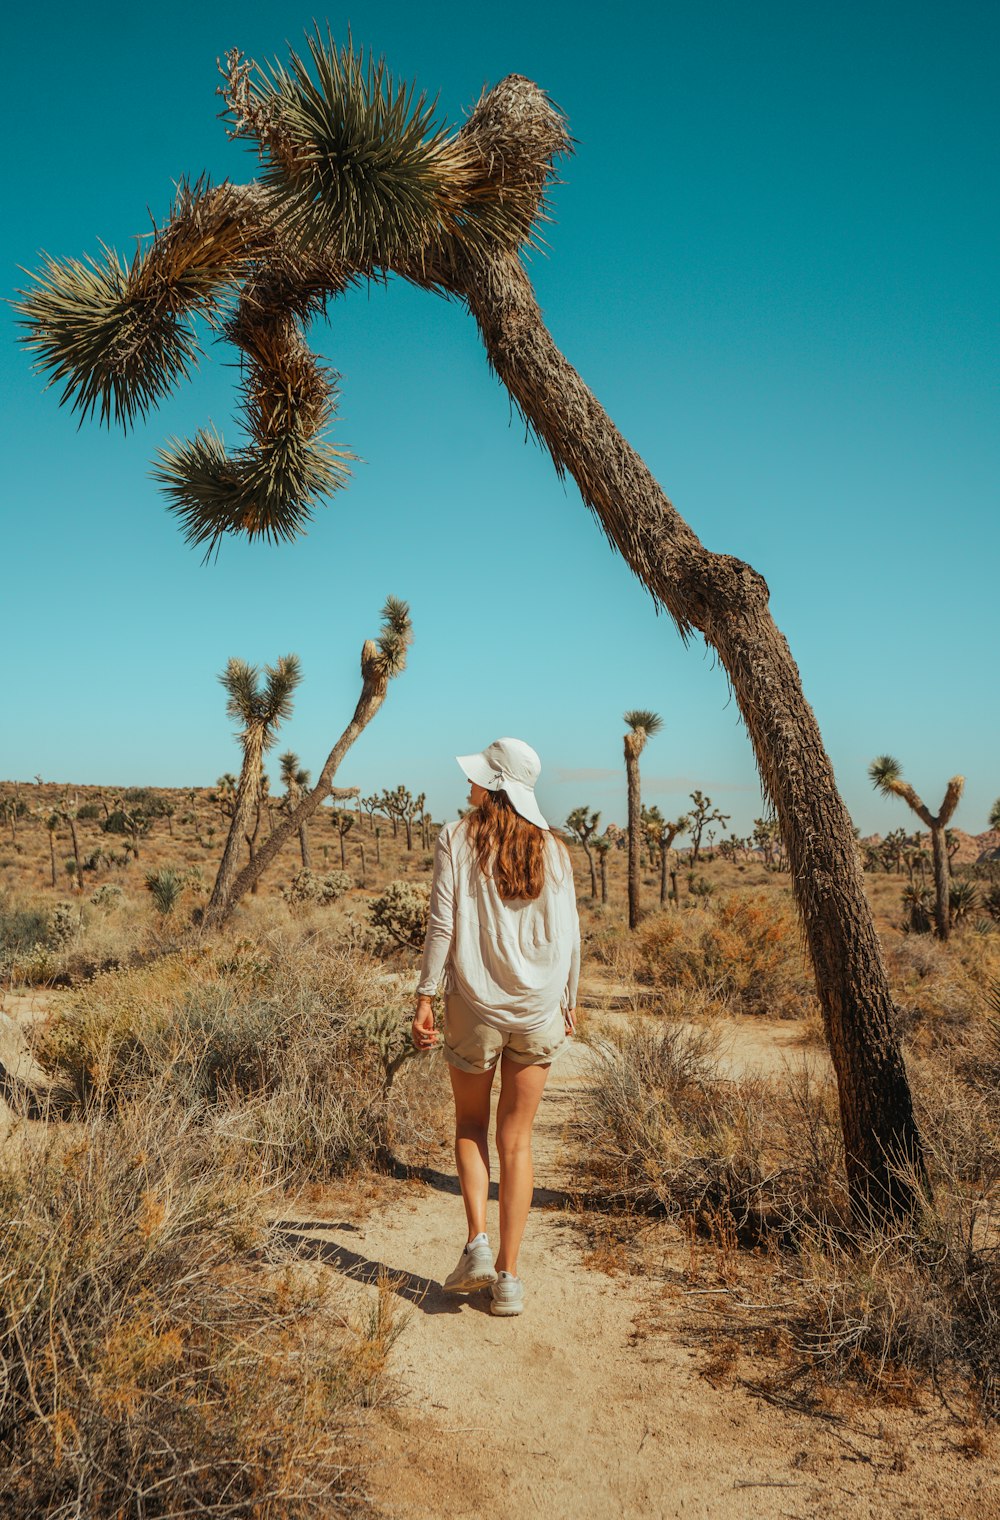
pixel 505 935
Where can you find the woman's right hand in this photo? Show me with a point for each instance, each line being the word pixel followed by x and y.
pixel 569 1020
pixel 425 1036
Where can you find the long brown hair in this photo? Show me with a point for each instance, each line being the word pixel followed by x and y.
pixel 508 847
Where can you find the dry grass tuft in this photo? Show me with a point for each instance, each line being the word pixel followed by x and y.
pixel 155 1360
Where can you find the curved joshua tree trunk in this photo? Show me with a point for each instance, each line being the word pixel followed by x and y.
pixel 727 602
pixel 241 822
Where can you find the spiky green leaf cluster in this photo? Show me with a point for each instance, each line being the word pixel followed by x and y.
pixel 261 707
pixel 115 353
pixel 883 771
pixel 268 492
pixel 396 635
pixel 641 718
pixel 350 154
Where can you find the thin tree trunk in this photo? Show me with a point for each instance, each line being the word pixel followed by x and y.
pixel 942 882
pixel 52 855
pixel 343 857
pixel 378 849
pixel 304 849
pixel 604 878
pixel 664 861
pixel 593 872
pixel 76 853
pixel 364 876
pixel 634 834
pixel 727 602
pixel 409 833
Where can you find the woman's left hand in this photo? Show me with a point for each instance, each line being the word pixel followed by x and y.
pixel 569 1020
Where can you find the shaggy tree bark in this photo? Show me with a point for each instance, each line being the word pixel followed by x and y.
pixel 727 602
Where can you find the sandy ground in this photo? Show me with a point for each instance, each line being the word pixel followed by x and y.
pixel 594 1402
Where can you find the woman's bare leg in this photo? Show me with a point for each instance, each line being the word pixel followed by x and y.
pixel 520 1094
pixel 472 1150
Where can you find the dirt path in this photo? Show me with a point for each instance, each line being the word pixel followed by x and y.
pixel 593 1402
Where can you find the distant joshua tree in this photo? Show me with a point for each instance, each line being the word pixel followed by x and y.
pixel 343 823
pixel 886 775
pixel 296 779
pixel 702 813
pixel 994 818
pixel 604 844
pixel 258 709
pixel 642 725
pixel 668 834
pixel 582 824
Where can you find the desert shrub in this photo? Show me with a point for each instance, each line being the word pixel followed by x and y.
pixel 744 954
pixel 666 1133
pixel 153 1363
pixel 752 1160
pixel 400 914
pixel 290 1051
pixel 22 927
pixel 308 887
pixel 108 897
pixel 88 811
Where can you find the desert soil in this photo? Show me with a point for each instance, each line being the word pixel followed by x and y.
pixel 597 1400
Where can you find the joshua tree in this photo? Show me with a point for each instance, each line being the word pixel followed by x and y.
pixel 381 660
pixel 343 822
pixel 52 822
pixel 994 818
pixel 358 180
pixel 668 833
pixel 258 709
pixel 581 824
pixel 702 814
pixel 642 725
pixel 296 780
pixel 603 844
pixel 886 775
pixel 226 792
pixel 371 806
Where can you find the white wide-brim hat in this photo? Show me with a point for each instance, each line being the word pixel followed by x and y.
pixel 511 766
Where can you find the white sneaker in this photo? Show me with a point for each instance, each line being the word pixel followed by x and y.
pixel 507 1295
pixel 475 1270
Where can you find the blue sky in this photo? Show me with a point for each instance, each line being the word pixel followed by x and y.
pixel 774 260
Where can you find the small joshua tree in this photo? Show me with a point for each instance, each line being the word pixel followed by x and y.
pixel 296 779
pixel 886 775
pixel 582 824
pixel 343 823
pixel 701 814
pixel 603 845
pixel 642 725
pixel 668 833
pixel 258 708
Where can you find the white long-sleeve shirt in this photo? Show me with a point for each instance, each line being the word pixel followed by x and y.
pixel 514 962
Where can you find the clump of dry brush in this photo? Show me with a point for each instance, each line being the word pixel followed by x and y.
pixel 759 1162
pixel 291 1047
pixel 154 1360
pixel 160 1352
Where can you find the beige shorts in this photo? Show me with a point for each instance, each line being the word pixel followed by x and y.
pixel 473 1045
